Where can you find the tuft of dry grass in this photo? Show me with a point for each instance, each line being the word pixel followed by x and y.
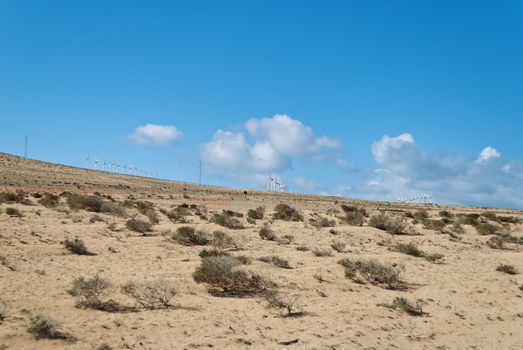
pixel 338 246
pixel 393 225
pixel 42 327
pixel 77 246
pixel 276 261
pixel 268 234
pixel 286 213
pixel 322 252
pixel 151 295
pixel 508 269
pixel 406 306
pixel 187 235
pixel 374 272
pixel 283 301
pixel 138 225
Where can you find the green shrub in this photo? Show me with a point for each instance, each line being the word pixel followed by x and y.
pixel 138 225
pixel 374 272
pixel 77 246
pixel 190 236
pixel 286 213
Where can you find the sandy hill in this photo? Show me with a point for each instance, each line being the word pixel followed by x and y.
pixel 93 260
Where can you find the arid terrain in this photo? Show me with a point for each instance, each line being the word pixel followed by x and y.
pixel 92 260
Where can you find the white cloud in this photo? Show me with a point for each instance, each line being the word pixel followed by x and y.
pixel 153 134
pixel 406 170
pixel 265 145
pixel 487 154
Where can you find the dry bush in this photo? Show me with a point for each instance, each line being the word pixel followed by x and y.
pixel 338 246
pixel 302 248
pixel 90 292
pixel 487 229
pixel 178 214
pixel 190 236
pixel 5 262
pixel 457 228
pixel 409 249
pixel 421 215
pixel 286 239
pixel 49 200
pixel 151 295
pixel 9 197
pixel 508 269
pixel 224 272
pixel 286 213
pixel 283 302
pixel 469 219
pixel 406 306
pixel 228 219
pixel 374 272
pixel 96 218
pixel 268 234
pixel 94 203
pixel 13 212
pixel 147 209
pixel 354 215
pixel 446 214
pixel 256 214
pixel 495 243
pixel 436 225
pixel 212 252
pixel 42 327
pixel 3 311
pixel 138 225
pixel 433 257
pixel 394 225
pixel 322 222
pixel 276 261
pixel 322 252
pixel 104 346
pixel 222 240
pixel 509 220
pixel 77 246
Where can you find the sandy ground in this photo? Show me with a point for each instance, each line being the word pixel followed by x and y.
pixel 467 304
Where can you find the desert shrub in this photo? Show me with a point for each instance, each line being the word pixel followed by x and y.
pixel 374 272
pixel 256 214
pixel 147 209
pixel 393 225
pixel 138 225
pixel 13 212
pixel 287 213
pixel 409 249
pixel 436 257
pixel 151 295
pixel 495 243
pixel 286 239
pixel 224 272
pixel 222 240
pixel 282 301
pixel 77 246
pixel 457 228
pixel 322 252
pixel 276 261
pixel 89 203
pixel 225 219
pixel 333 231
pixel 508 269
pixel 489 215
pixel 354 215
pixel 96 218
pixel 3 311
pixel 42 327
pixel 487 229
pixel 338 246
pixel 436 225
pixel 268 234
pixel 469 219
pixel 49 200
pixel 323 222
pixel 232 213
pixel 406 306
pixel 104 346
pixel 10 197
pixel 521 288
pixel 190 236
pixel 90 292
pixel 302 248
pixel 446 214
pixel 509 219
pixel 212 252
pixel 421 214
pixel 178 214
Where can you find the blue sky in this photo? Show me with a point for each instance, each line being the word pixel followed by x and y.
pixel 307 89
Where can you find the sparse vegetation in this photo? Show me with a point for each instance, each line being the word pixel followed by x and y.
pixel 322 252
pixel 354 216
pixel 286 213
pixel 190 236
pixel 286 239
pixel 222 240
pixel 457 228
pixel 93 203
pixel 49 200
pixel 495 243
pixel 138 225
pixel 338 246
pixel 374 272
pixel 276 261
pixel 151 295
pixel 224 272
pixel 9 197
pixel 409 249
pixel 212 252
pixel 393 225
pixel 77 246
pixel 446 214
pixel 322 222
pixel 469 219
pixel 508 269
pixel 406 306
pixel 487 229
pixel 283 302
pixel 3 311
pixel 228 219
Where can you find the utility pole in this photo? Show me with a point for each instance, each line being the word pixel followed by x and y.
pixel 25 149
